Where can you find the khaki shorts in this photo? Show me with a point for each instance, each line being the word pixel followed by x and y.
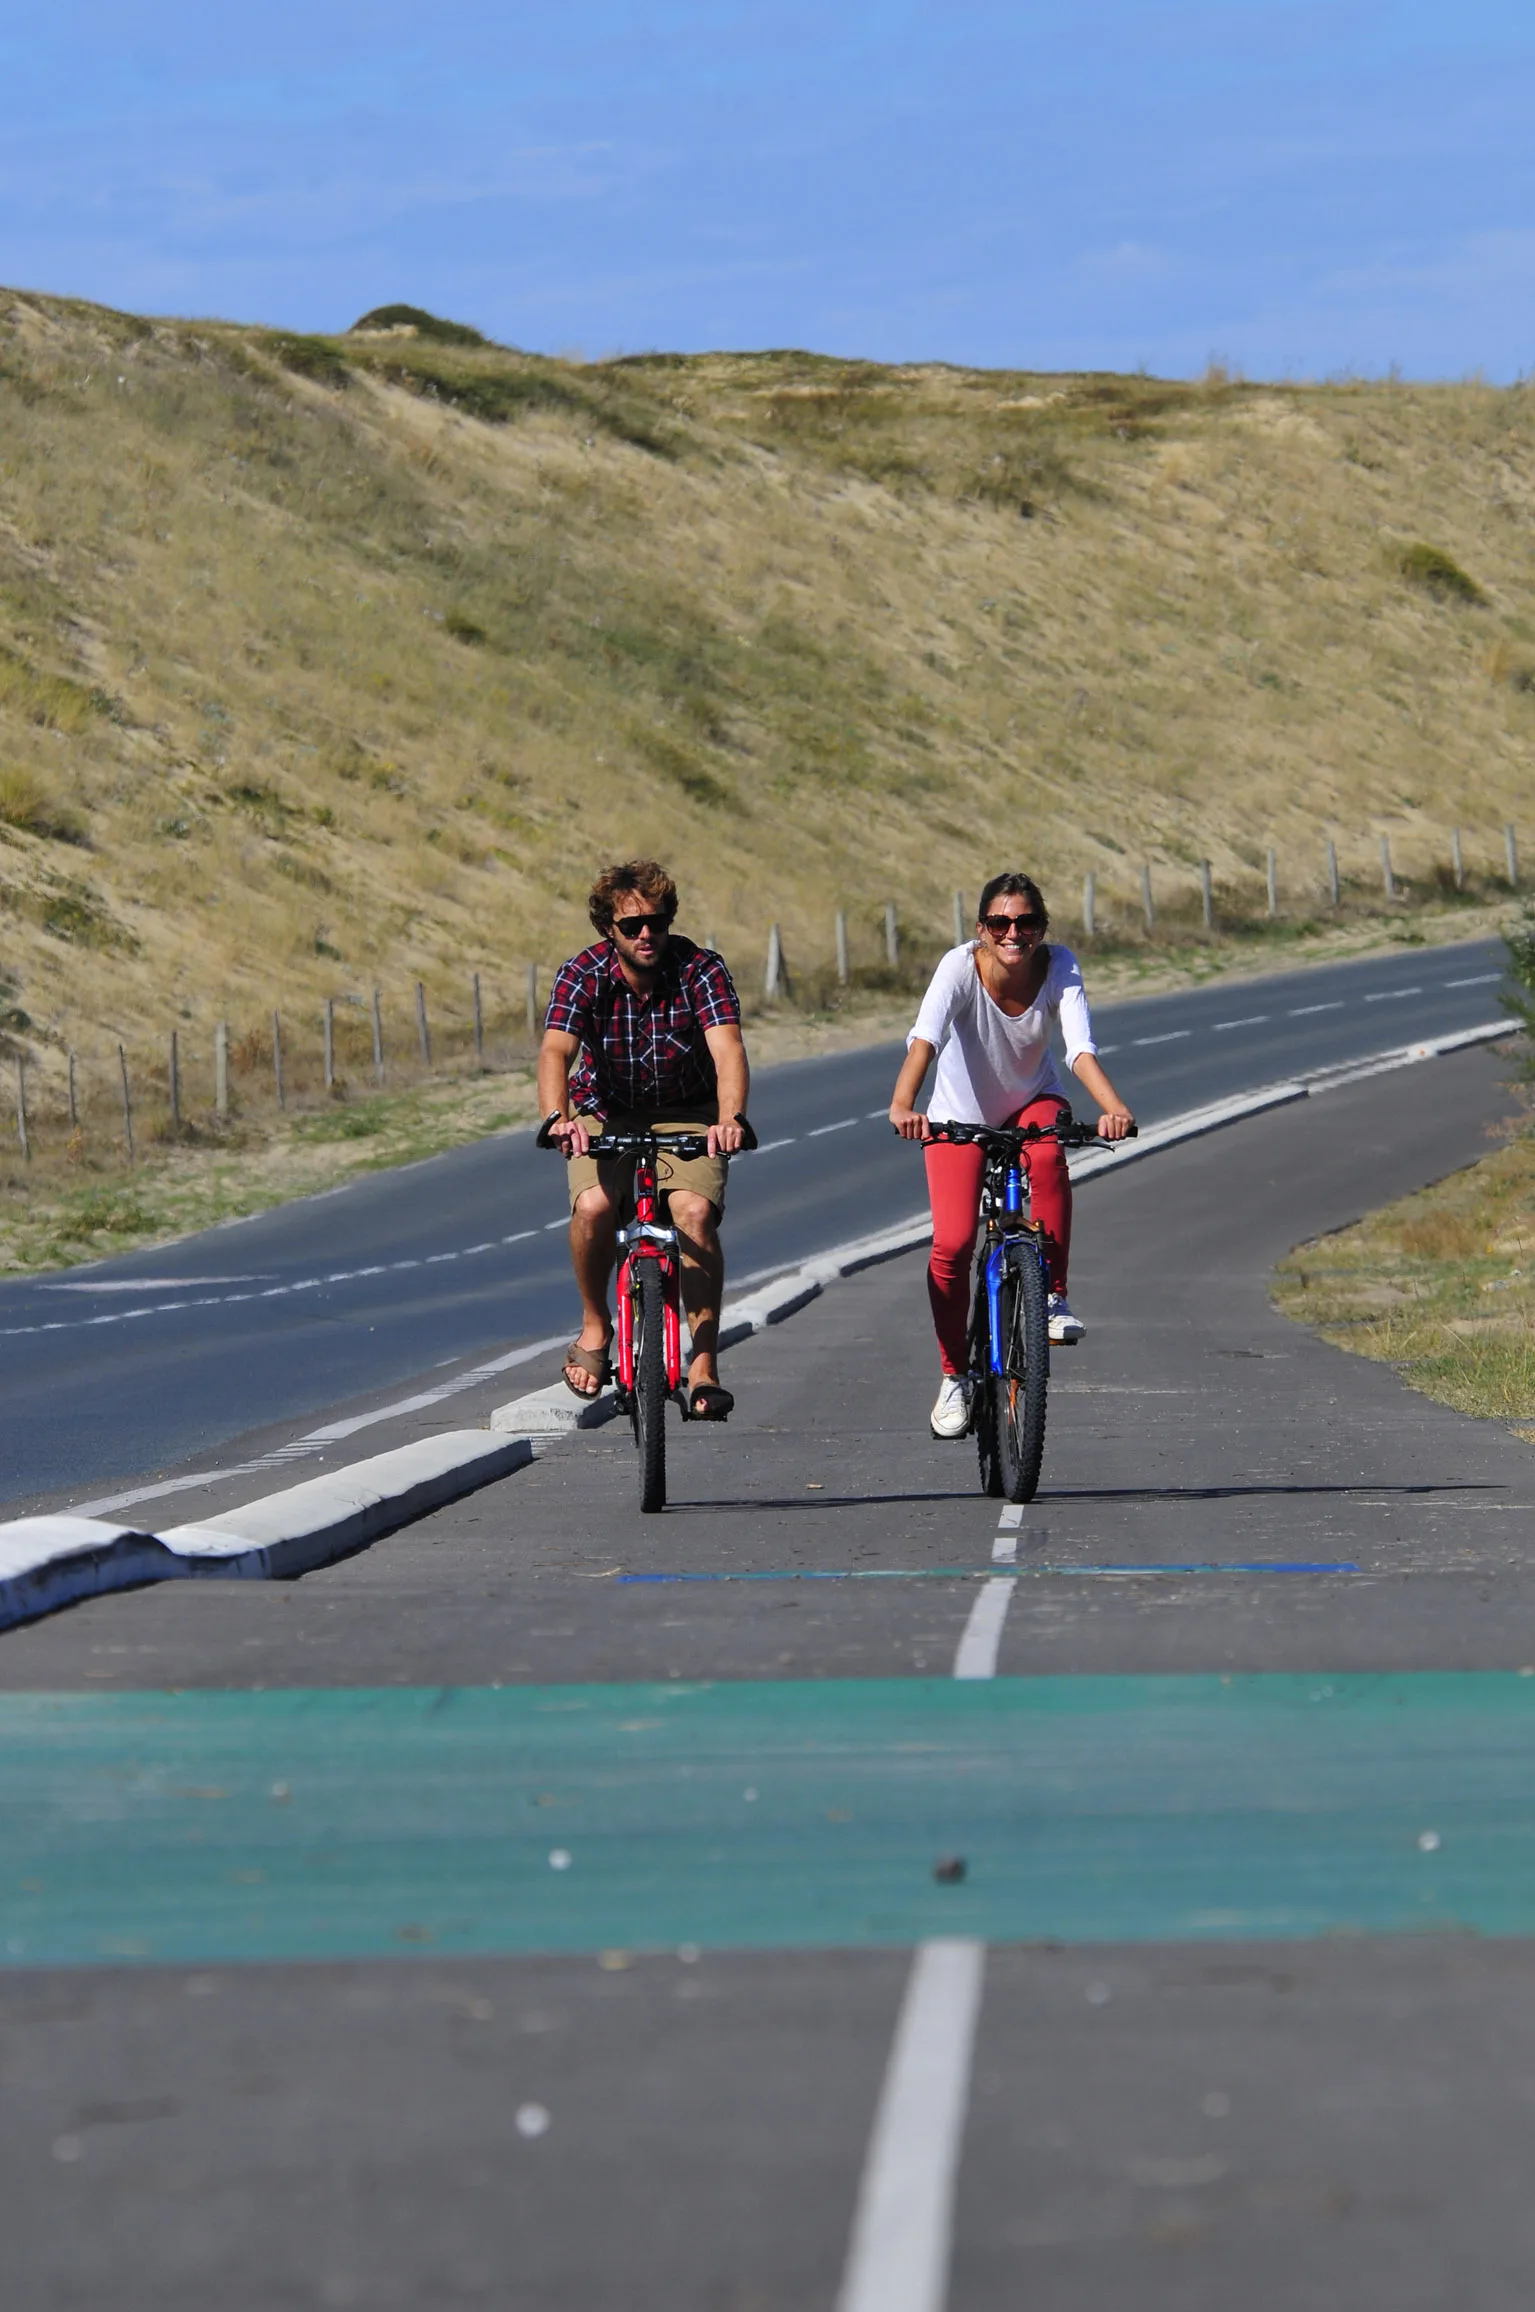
pixel 699 1176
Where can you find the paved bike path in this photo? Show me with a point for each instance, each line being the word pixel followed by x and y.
pixel 1161 2121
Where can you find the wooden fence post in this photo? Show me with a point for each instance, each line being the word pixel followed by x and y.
pixel 330 1043
pixel 1206 895
pixel 1272 864
pixel 122 1062
pixel 774 972
pixel 1090 903
pixel 1387 879
pixel 74 1104
pixel 423 1032
pixel 378 1038
pixel 175 1080
pixel 532 999
pixel 479 1025
pixel 1511 857
pixel 282 1097
pixel 221 1068
pixel 959 919
pixel 1335 889
pixel 22 1134
pixel 892 937
pixel 1457 861
pixel 1148 908
pixel 844 973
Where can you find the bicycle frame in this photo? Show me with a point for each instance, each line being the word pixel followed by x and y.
pixel 1003 1240
pixel 647 1238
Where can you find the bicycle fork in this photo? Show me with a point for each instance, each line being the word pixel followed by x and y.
pixel 643 1240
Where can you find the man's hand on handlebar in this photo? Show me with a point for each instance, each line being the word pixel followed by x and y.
pixel 1116 1124
pixel 569 1134
pixel 727 1139
pixel 910 1124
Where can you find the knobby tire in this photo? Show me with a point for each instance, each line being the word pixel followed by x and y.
pixel 650 1385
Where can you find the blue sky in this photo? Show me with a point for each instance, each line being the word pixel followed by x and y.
pixel 1300 186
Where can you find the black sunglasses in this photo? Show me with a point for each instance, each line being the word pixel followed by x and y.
pixel 632 925
pixel 1000 925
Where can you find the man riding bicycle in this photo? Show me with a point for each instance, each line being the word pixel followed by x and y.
pixel 656 1022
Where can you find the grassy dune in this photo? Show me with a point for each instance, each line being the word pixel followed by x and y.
pixel 327 662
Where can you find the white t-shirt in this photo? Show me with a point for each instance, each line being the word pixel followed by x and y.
pixel 990 1066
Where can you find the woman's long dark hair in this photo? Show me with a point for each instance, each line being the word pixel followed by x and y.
pixel 1013 887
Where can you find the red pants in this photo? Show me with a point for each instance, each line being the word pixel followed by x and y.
pixel 954 1190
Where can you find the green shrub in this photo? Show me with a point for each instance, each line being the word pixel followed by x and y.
pixel 1429 567
pixel 1519 1001
pixel 312 357
pixel 464 629
pixel 424 324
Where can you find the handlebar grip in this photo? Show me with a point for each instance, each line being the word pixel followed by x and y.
pixel 748 1136
pixel 545 1137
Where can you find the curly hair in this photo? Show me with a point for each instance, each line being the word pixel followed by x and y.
pixel 1013 887
pixel 644 877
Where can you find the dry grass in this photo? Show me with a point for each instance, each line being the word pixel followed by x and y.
pixel 1442 1285
pixel 334 662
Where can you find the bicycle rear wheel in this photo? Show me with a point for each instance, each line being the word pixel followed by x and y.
pixel 1019 1391
pixel 649 1401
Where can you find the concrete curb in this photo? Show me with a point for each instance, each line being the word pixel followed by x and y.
pixel 48 1562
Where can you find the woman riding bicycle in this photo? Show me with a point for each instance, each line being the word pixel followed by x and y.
pixel 986 1018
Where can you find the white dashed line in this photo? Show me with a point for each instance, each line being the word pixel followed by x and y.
pixel 766 1147
pixel 1175 1036
pixel 1306 1011
pixel 1255 1021
pixel 1482 979
pixel 841 1125
pixel 1392 994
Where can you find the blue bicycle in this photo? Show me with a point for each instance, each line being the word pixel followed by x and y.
pixel 1009 1325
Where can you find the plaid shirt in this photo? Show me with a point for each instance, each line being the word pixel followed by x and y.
pixel 642 1054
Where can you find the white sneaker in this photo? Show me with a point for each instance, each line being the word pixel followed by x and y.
pixel 950 1416
pixel 1065 1329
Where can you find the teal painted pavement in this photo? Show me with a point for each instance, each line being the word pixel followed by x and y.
pixel 207 1826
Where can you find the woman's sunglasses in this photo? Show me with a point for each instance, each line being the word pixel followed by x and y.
pixel 1000 925
pixel 632 925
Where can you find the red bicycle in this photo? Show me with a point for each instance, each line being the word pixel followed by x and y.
pixel 648 1324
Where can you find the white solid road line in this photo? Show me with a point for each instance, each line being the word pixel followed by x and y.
pixel 899 2257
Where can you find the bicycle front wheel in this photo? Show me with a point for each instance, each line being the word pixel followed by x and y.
pixel 983 1411
pixel 1018 1392
pixel 649 1402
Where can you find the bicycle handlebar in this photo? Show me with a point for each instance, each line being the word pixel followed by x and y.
pixel 1068 1132
pixel 687 1145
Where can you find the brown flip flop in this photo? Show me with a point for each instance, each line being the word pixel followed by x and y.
pixel 596 1362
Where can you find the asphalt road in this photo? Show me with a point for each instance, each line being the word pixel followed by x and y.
pixel 136 1364
pixel 645 1813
